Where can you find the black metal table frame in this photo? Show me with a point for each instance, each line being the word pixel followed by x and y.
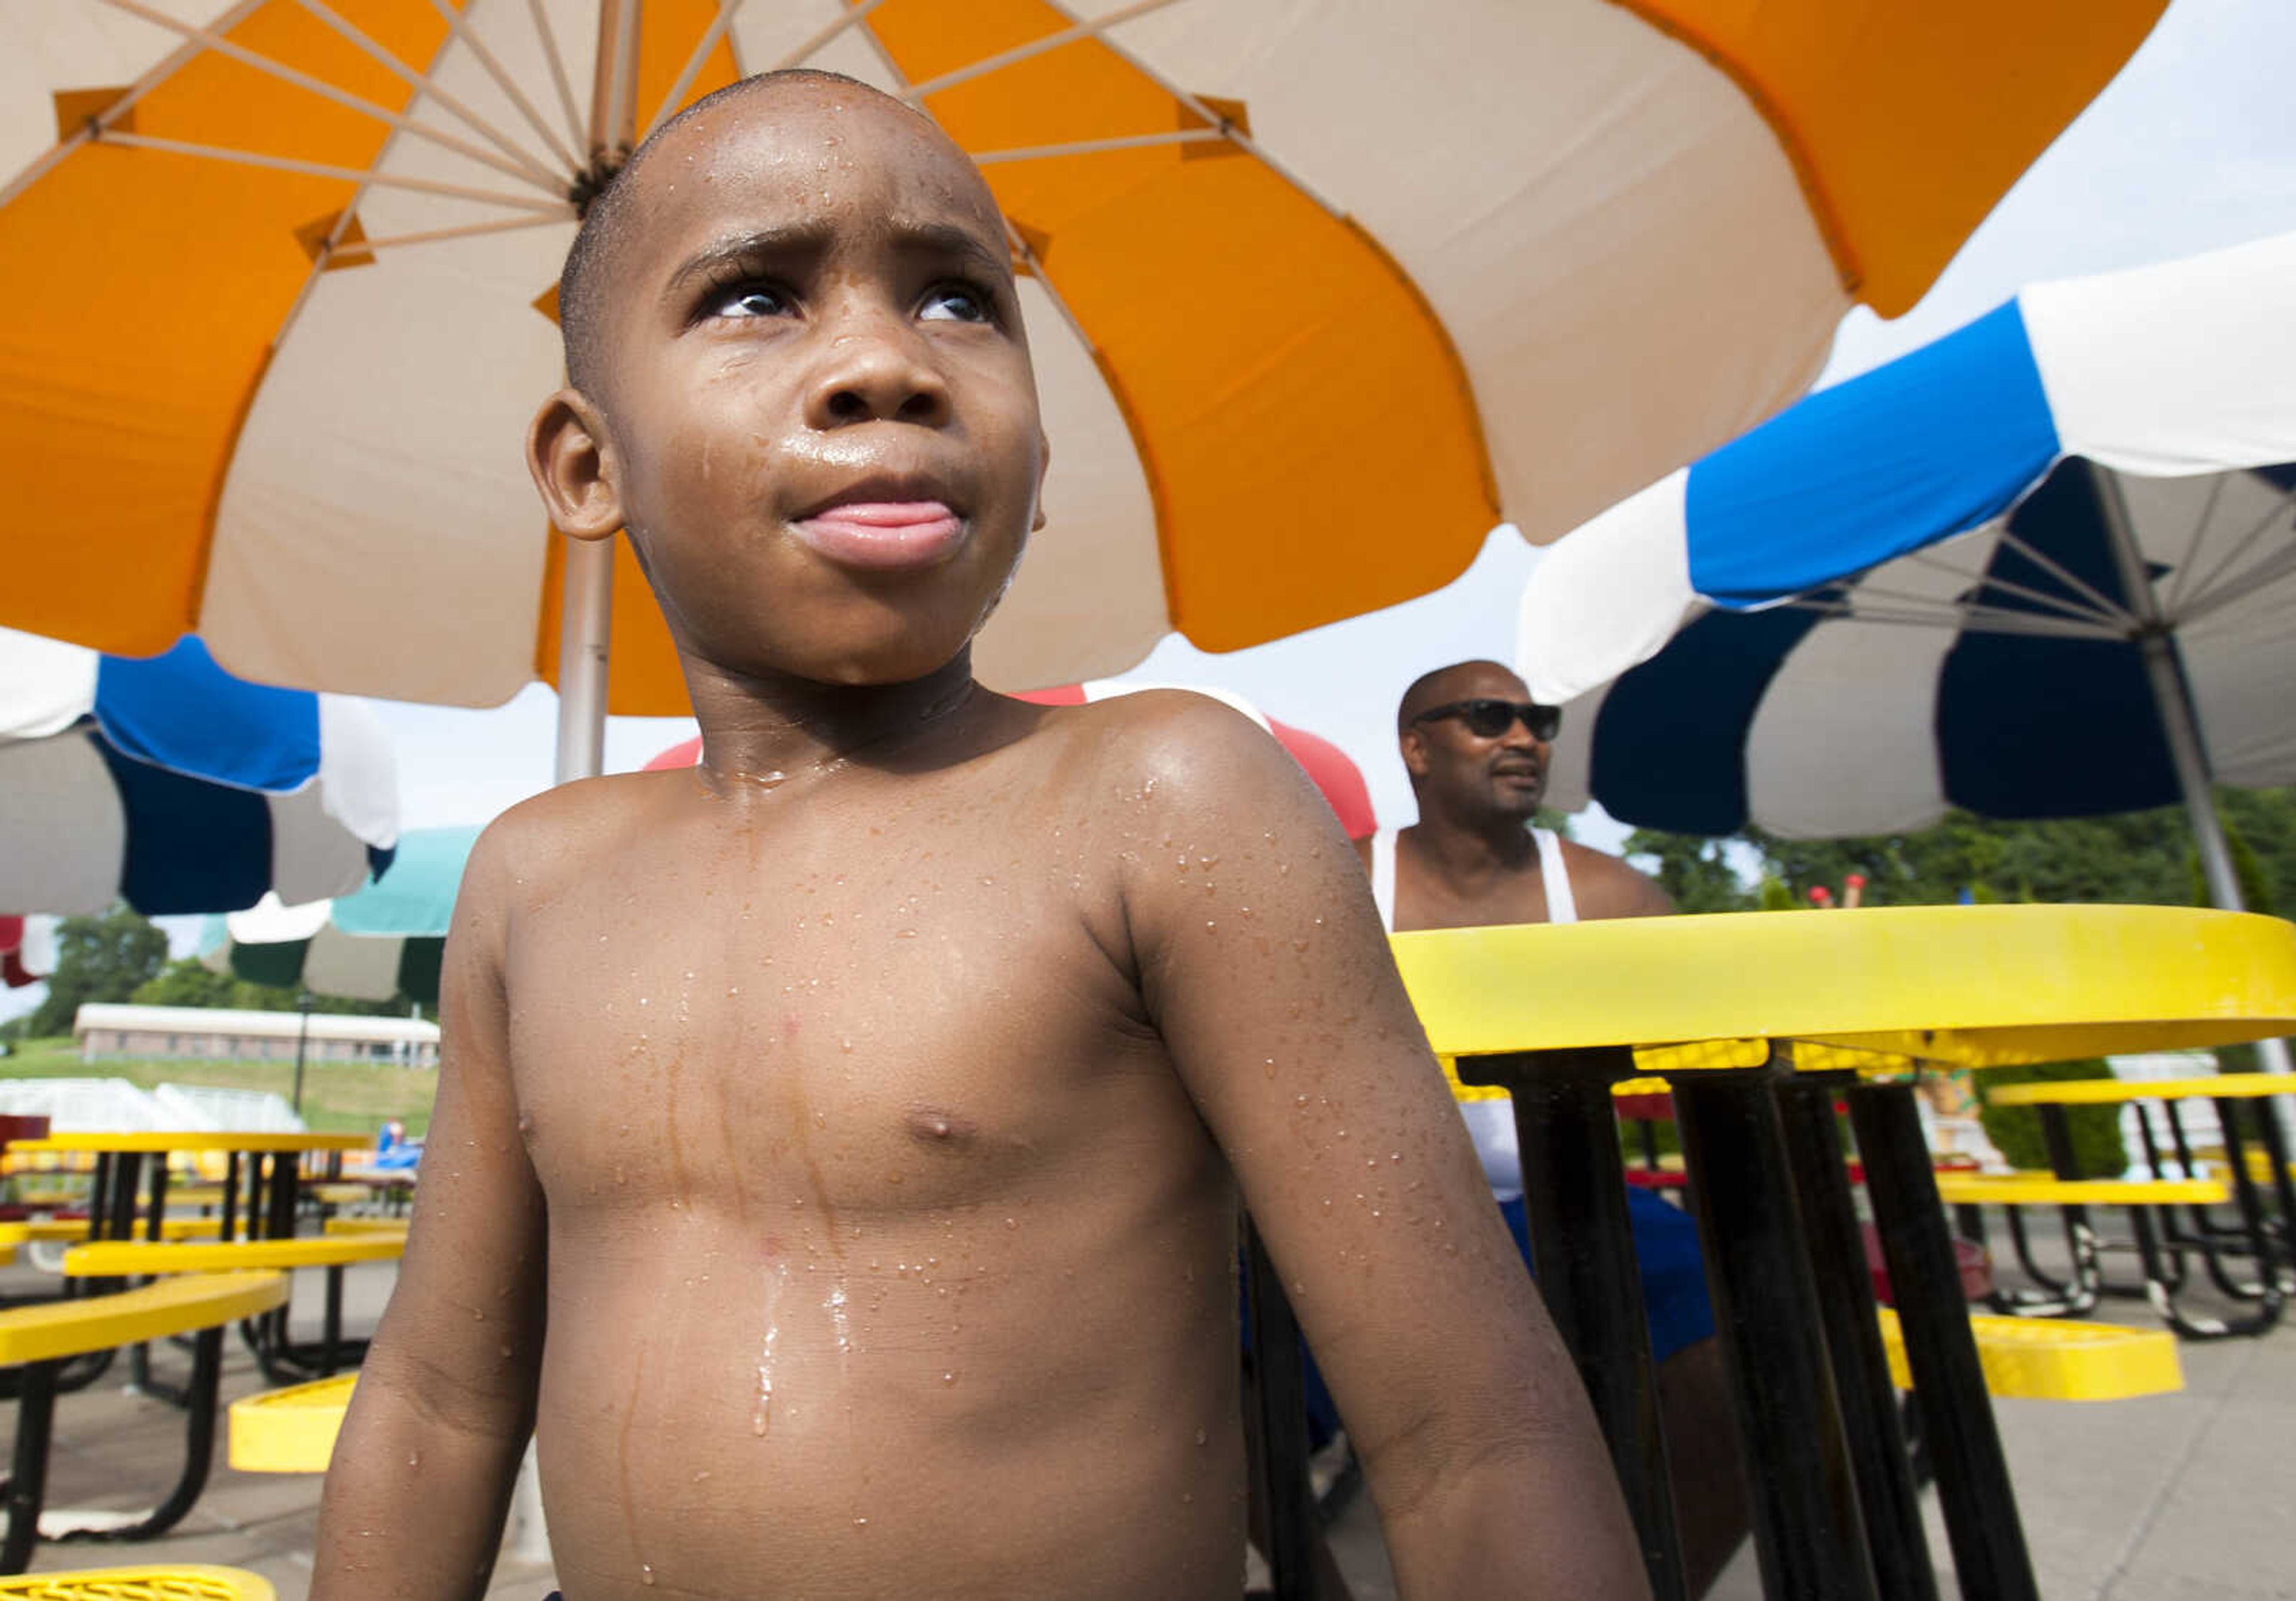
pixel 1833 1512
pixel 264 1188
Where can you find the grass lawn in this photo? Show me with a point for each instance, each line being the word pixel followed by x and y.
pixel 338 1097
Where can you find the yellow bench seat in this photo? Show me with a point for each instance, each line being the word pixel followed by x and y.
pixel 2043 1189
pixel 2037 1358
pixel 117 1258
pixel 2097 1092
pixel 52 1330
pixel 290 1431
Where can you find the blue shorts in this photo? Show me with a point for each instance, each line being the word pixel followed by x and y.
pixel 1673 1288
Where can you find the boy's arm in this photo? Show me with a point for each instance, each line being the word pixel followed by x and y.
pixel 422 1471
pixel 1264 968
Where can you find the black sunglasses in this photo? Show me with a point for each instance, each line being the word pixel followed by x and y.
pixel 1488 718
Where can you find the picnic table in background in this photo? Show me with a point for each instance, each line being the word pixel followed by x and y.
pixel 1553 1013
pixel 260 1201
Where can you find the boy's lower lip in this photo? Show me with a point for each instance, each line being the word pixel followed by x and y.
pixel 883 535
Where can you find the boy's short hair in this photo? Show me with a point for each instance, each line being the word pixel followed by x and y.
pixel 606 218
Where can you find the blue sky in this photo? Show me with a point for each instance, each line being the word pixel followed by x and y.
pixel 2192 147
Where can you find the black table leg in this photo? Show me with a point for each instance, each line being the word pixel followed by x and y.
pixel 1884 1472
pixel 1582 1245
pixel 1991 1561
pixel 1808 1530
pixel 1281 1393
pixel 230 1197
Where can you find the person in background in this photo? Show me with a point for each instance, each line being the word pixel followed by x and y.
pixel 1477 747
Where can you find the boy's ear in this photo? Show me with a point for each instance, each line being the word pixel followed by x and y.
pixel 574 466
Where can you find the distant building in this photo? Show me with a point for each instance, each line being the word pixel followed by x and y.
pixel 108 1032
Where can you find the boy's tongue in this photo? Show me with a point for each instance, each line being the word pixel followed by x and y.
pixel 883 533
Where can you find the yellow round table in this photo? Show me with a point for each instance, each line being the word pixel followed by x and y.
pixel 1553 1013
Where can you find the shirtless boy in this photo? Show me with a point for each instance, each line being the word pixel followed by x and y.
pixel 864 1116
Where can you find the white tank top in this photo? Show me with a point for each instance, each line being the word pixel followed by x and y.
pixel 1490 1122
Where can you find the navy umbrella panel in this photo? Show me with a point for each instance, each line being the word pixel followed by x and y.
pixel 177 787
pixel 2044 567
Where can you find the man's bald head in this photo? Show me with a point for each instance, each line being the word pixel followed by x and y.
pixel 1458 681
pixel 594 263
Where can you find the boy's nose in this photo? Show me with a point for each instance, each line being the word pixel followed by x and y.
pixel 877 374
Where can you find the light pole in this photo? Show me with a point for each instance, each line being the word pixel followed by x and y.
pixel 302 1044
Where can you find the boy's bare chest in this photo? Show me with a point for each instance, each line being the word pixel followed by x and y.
pixel 912 1027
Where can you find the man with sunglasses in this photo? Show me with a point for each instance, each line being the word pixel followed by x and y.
pixel 1477 747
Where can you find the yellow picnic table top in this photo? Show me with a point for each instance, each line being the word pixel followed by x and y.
pixel 2090 1092
pixel 1979 986
pixel 146 1141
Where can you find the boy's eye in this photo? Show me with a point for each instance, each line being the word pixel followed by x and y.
pixel 955 303
pixel 750 299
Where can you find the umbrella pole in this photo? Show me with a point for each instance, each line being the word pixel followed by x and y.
pixel 2172 695
pixel 586 615
pixel 586 608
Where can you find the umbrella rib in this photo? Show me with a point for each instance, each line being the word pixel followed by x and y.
pixel 328 92
pixel 1986 580
pixel 1981 620
pixel 2191 564
pixel 557 63
pixel 1086 147
pixel 456 28
pixel 1070 35
pixel 317 169
pixel 1037 268
pixel 693 68
pixel 1244 140
pixel 2065 576
pixel 829 35
pixel 94 127
pixel 421 83
pixel 467 231
pixel 2262 526
pixel 2222 595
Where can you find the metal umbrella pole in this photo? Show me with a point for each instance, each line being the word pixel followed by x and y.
pixel 587 604
pixel 2172 694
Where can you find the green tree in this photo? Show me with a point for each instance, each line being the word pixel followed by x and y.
pixel 1694 873
pixel 103 958
pixel 186 981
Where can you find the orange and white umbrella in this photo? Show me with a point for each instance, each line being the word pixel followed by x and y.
pixel 1319 293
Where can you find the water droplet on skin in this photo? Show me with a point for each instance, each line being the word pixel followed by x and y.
pixel 1187 1497
pixel 949 1378
pixel 845 1044
pixel 1201 1437
pixel 414 1459
pixel 645 1572
pixel 860 1523
pixel 1210 927
pixel 700 1475
pixel 1267 1067
pixel 1010 1223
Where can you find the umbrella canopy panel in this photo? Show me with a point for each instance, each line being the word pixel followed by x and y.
pixel 1972 577
pixel 1301 337
pixel 384 940
pixel 174 786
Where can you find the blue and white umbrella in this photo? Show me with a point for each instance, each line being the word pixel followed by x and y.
pixel 2044 567
pixel 170 785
